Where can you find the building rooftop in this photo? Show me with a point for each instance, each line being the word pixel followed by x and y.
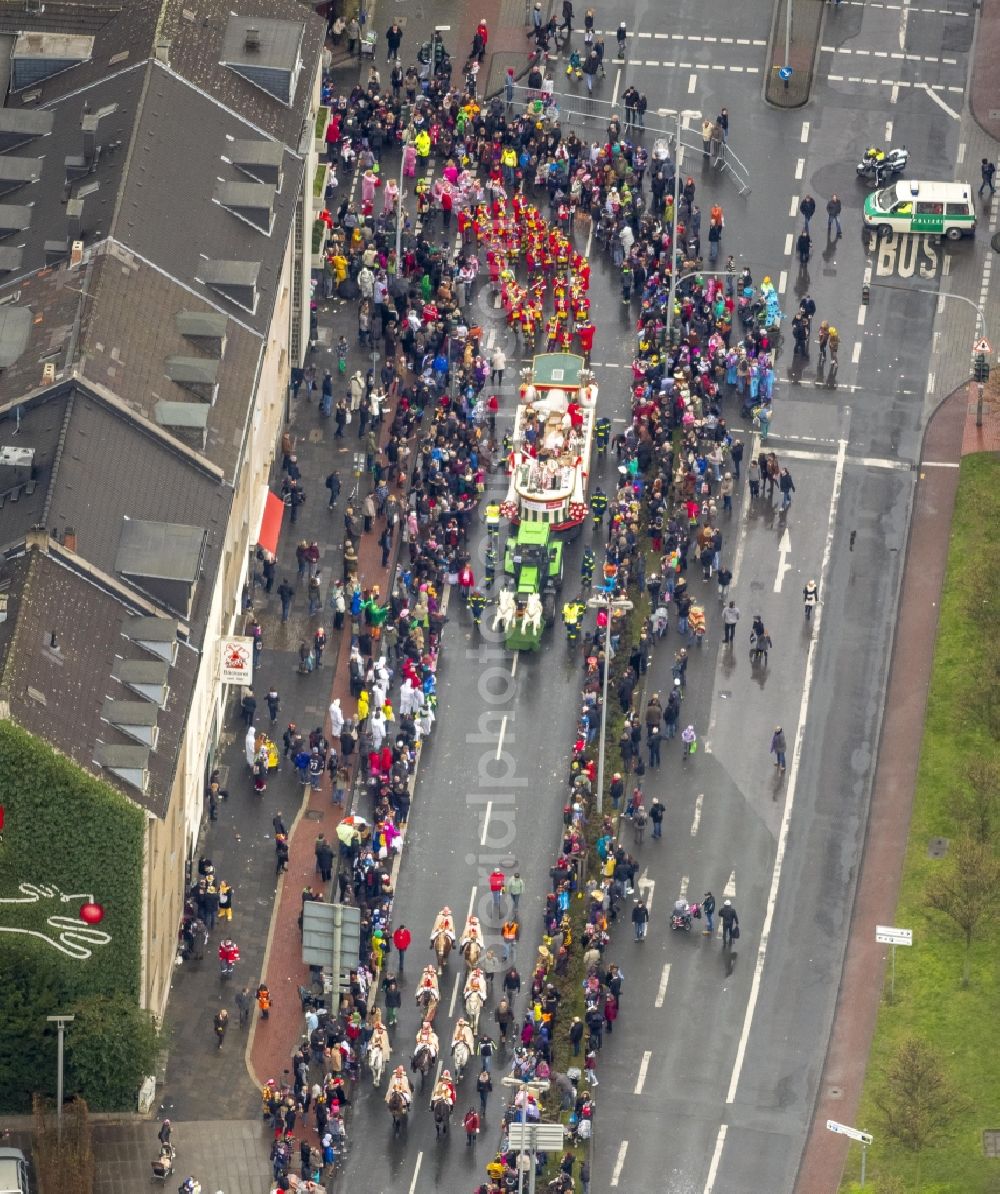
pixel 59 642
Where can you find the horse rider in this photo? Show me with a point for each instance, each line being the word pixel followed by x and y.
pixel 473 931
pixel 380 1037
pixel 443 924
pixel 427 1038
pixel 476 982
pixel 399 1084
pixel 463 1032
pixel 444 1088
pixel 428 982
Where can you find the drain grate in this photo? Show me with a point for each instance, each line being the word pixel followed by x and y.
pixel 314 814
pixel 938 847
pixel 991 1142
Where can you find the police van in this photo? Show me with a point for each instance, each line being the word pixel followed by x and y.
pixel 13 1171
pixel 923 208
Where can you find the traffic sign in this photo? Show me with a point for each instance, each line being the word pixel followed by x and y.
pixel 886 935
pixel 844 1130
pixel 982 345
pixel 784 73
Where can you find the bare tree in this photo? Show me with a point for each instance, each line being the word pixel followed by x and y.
pixel 966 891
pixel 978 804
pixel 918 1100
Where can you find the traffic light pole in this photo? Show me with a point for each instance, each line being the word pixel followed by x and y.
pixel 981 369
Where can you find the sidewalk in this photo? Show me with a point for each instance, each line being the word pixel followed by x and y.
pixel 946 439
pixel 984 83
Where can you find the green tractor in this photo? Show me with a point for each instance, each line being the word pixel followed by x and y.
pixel 533 559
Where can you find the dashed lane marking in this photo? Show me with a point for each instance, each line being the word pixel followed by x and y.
pixel 888 54
pixel 661 993
pixel 722 41
pixel 894 83
pixel 657 64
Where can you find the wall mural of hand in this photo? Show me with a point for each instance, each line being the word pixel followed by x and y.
pixel 71 936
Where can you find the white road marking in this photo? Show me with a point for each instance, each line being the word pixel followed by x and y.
pixel 790 237
pixel 486 815
pixel 491 337
pixel 856 352
pixel 939 101
pixel 616 1173
pixel 805 132
pixel 784 550
pixel 930 383
pixel 713 1168
pixel 939 464
pixel 862 311
pixel 782 281
pixel 902 24
pixel 513 664
pixel 961 153
pixel 503 730
pixel 792 209
pixel 888 131
pixel 863 461
pixel 729 891
pixel 661 993
pixel 800 167
pixel 696 821
pixel 685 880
pixel 472 900
pixel 649 886
pixel 894 94
pixel 416 1173
pixel 640 1081
pixel 454 995
pixel 618 79
pixel 692 84
pixel 793 772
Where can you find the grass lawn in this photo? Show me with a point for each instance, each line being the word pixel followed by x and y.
pixel 930 1001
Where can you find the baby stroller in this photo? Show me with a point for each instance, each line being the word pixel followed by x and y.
pixel 680 918
pixel 163 1166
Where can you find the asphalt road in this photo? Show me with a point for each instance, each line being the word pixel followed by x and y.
pixel 709 1080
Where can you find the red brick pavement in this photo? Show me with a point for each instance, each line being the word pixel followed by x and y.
pixel 892 795
pixel 987 437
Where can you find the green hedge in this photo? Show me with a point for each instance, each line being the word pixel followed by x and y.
pixel 68 832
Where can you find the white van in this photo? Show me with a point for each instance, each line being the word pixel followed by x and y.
pixel 925 208
pixel 13 1172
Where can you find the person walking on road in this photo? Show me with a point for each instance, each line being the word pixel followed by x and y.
pixel 656 814
pixel 808 209
pixel 988 170
pixel 730 616
pixel 401 941
pixel 803 246
pixel 778 748
pixel 567 21
pixel 730 923
pixel 497 884
pixel 484 1087
pixel 787 487
pixel 221 1023
pixel 515 889
pixel 833 210
pixel 810 597
pixel 244 1004
pixel 640 919
pixel 708 907
pixel 285 593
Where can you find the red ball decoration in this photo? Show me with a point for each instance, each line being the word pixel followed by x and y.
pixel 91 914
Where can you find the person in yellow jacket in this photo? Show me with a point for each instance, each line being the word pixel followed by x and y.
pixel 422 144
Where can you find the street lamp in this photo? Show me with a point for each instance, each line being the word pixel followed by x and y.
pixel 681 113
pixel 606 601
pixel 61 1021
pixel 537 1087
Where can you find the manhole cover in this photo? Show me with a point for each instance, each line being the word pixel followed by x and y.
pixel 938 847
pixel 991 1142
pixel 834 1092
pixel 314 814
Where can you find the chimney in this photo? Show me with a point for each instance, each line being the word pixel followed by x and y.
pixel 75 254
pixel 162 50
pixel 74 219
pixel 89 126
pixel 37 539
pixel 48 373
pixel 69 539
pixel 251 40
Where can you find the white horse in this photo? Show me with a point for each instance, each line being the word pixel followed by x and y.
pixel 462 1055
pixel 505 611
pixel 533 613
pixel 473 1006
pixel 377 1057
